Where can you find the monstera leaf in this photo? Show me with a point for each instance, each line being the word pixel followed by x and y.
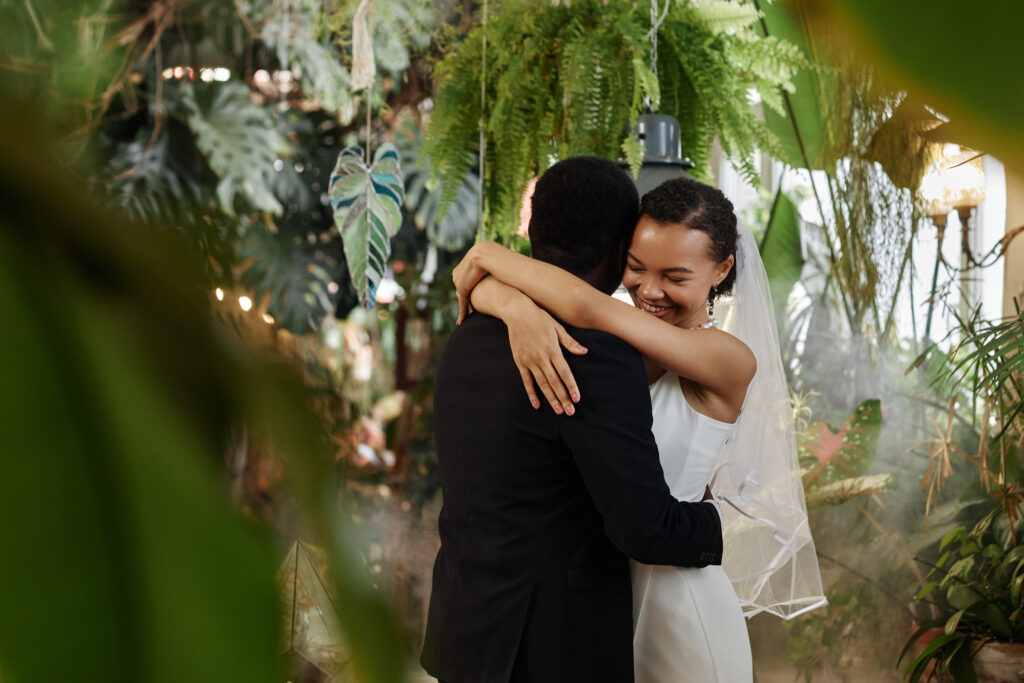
pixel 240 141
pixel 295 276
pixel 367 205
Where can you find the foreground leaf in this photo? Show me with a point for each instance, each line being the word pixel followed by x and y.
pixel 124 559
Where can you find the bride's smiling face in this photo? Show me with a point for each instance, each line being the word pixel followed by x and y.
pixel 670 271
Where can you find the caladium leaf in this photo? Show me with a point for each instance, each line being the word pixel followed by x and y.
pixel 829 457
pixel 367 204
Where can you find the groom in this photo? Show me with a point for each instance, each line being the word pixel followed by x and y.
pixel 541 510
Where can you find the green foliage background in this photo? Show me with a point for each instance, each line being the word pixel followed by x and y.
pixel 562 81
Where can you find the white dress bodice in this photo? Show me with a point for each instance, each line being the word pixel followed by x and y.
pixel 687 621
pixel 690 444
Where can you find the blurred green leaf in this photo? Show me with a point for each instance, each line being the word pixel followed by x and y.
pixel 126 561
pixel 911 40
pixel 805 128
pixel 285 267
pixel 457 228
pixel 782 251
pixel 129 562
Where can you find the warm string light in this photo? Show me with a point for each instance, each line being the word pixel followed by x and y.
pixel 246 304
pixel 206 74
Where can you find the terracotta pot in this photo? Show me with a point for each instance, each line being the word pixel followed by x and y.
pixel 1000 663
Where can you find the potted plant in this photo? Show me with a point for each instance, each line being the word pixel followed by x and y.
pixel 976 584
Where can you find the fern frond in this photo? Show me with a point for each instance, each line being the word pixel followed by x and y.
pixel 723 16
pixel 571 80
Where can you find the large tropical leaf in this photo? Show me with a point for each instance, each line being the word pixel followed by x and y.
pixel 911 41
pixel 367 205
pixel 146 184
pixel 804 126
pixel 829 457
pixel 294 274
pixel 782 250
pixel 305 37
pixel 124 558
pixel 291 28
pixel 240 140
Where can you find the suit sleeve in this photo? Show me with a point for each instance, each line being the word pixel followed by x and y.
pixel 611 441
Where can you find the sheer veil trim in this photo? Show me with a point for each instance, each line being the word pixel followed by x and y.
pixel 769 553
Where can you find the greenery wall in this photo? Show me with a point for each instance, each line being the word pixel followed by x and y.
pixel 165 448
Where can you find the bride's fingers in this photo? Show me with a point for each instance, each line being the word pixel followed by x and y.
pixel 559 390
pixel 545 388
pixel 463 305
pixel 570 344
pixel 565 375
pixel 531 392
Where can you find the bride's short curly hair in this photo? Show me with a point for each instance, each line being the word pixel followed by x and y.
pixel 699 207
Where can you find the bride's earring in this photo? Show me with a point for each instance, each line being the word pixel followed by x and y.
pixel 711 300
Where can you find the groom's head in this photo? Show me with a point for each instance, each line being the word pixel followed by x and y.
pixel 583 216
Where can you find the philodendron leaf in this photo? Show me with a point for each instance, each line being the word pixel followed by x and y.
pixel 367 205
pixel 830 457
pixel 240 141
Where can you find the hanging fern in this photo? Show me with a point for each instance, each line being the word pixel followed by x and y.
pixel 563 81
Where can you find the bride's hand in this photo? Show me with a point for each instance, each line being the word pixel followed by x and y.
pixel 537 340
pixel 467 274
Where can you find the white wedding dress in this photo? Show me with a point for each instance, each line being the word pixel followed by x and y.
pixel 687 622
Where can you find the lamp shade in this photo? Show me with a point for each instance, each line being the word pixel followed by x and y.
pixel 663 159
pixel 955 181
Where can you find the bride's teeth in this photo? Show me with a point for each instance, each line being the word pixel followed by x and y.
pixel 652 309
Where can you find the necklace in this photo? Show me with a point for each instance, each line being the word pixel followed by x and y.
pixel 711 323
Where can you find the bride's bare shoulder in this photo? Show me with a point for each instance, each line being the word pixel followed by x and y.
pixel 741 364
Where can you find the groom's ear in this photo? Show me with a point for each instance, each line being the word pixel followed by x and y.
pixel 620 257
pixel 608 276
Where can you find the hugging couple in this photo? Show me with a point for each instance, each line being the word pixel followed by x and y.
pixel 584 541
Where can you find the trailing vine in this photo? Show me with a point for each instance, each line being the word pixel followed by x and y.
pixel 563 81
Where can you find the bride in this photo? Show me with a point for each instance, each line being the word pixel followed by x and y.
pixel 720 415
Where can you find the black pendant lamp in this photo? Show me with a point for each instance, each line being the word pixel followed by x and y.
pixel 663 159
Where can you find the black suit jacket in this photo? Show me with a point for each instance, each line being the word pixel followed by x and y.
pixel 540 512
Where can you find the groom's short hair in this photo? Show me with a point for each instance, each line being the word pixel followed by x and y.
pixel 583 209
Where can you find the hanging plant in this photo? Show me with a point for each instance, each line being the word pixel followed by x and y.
pixel 367 203
pixel 568 80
